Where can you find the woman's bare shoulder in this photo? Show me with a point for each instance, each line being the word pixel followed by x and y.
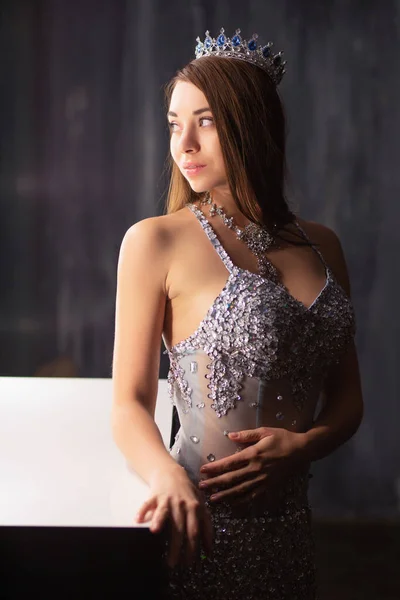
pixel 155 232
pixel 329 244
pixel 153 242
pixel 319 233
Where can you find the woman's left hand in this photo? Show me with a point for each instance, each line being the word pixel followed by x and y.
pixel 270 457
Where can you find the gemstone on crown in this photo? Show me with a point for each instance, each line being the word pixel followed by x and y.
pixel 236 40
pixel 200 45
pixel 221 38
pixel 267 50
pixel 239 48
pixel 208 41
pixel 252 44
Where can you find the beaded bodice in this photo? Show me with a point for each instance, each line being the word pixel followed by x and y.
pixel 258 358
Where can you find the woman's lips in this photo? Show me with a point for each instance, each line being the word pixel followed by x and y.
pixel 194 170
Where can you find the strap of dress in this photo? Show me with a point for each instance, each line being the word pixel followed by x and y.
pixel 313 246
pixel 212 236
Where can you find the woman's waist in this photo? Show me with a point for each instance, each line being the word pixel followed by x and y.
pixel 192 456
pixel 257 403
pixel 205 430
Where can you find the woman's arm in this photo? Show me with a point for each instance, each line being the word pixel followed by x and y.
pixel 140 306
pixel 342 411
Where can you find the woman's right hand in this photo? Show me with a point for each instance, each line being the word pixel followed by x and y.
pixel 175 497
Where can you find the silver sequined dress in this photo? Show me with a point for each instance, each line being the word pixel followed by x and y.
pixel 258 358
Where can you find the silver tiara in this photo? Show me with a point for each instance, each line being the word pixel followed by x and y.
pixel 248 50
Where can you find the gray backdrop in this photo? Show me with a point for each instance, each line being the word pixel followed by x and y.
pixel 83 145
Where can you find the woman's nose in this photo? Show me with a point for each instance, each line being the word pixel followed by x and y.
pixel 188 142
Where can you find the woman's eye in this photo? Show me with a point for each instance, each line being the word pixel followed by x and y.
pixel 204 121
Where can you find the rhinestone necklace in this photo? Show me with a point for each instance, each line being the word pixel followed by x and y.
pixel 257 238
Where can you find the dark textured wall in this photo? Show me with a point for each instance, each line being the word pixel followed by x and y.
pixel 83 142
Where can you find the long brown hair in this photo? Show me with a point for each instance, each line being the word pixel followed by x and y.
pixel 251 127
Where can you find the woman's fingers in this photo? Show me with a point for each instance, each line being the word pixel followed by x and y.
pixel 149 505
pixel 241 490
pixel 149 515
pixel 159 517
pixel 193 531
pixel 227 480
pixel 177 533
pixel 189 520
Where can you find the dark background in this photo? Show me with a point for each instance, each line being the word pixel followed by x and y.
pixel 83 143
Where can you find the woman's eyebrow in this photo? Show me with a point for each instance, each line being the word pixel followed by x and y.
pixel 195 112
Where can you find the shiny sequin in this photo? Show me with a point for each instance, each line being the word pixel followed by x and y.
pixel 258 552
pixel 211 457
pixel 287 341
pixel 254 330
pixel 193 366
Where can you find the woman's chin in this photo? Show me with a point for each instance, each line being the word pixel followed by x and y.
pixel 198 186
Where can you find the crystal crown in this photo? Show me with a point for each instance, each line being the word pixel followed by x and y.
pixel 248 50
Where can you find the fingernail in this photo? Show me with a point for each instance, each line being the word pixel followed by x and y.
pixel 234 435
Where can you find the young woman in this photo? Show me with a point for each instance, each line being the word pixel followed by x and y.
pixel 253 305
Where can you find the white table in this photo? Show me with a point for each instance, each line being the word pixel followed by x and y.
pixel 68 498
pixel 58 462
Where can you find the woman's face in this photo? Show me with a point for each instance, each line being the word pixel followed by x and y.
pixel 194 142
